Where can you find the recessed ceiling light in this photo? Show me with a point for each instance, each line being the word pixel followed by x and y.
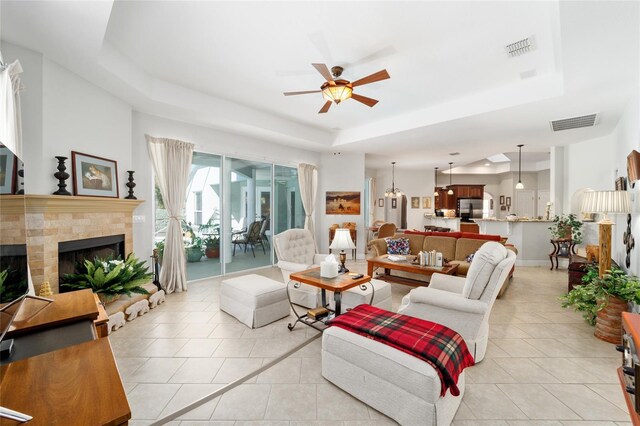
pixel 487 164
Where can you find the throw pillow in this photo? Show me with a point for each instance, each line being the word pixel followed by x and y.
pixel 397 246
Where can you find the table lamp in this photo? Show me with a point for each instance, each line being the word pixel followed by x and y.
pixel 342 241
pixel 606 202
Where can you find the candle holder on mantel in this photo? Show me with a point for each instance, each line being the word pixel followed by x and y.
pixel 62 176
pixel 131 184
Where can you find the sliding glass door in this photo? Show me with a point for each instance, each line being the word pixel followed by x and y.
pixel 247 216
pixel 289 212
pixel 201 225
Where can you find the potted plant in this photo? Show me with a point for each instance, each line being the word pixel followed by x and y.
pixel 193 249
pixel 159 246
pixel 212 247
pixel 110 278
pixel 211 231
pixel 603 299
pixel 566 227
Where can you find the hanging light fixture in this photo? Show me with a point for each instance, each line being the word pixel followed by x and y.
pixel 393 191
pixel 450 191
pixel 520 185
pixel 435 179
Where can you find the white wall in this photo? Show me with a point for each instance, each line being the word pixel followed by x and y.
pixel 627 138
pixel 206 140
pixel 343 172
pixel 61 112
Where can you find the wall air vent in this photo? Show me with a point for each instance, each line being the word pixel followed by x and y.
pixel 573 122
pixel 519 47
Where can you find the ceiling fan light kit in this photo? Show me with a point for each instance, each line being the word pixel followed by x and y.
pixel 336 90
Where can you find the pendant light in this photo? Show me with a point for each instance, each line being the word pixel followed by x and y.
pixel 520 185
pixel 435 179
pixel 393 191
pixel 450 191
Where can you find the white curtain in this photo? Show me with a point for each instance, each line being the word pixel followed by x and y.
pixel 308 181
pixel 171 160
pixel 372 201
pixel 11 122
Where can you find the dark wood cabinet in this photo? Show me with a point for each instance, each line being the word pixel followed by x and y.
pixel 450 202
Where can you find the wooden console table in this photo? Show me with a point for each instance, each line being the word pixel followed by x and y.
pixel 78 384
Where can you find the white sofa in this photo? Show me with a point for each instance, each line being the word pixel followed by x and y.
pixel 296 252
pixel 464 303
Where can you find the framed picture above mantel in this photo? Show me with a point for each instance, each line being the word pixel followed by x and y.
pixel 94 176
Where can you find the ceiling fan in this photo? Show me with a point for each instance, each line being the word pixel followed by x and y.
pixel 337 90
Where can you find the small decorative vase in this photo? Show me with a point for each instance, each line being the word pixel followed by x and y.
pixel 131 184
pixel 62 176
pixel 108 298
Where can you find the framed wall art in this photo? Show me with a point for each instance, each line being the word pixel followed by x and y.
pixel 502 200
pixel 343 202
pixel 94 176
pixel 394 203
pixel 507 202
pixel 380 202
pixel 8 162
pixel 426 202
pixel 415 202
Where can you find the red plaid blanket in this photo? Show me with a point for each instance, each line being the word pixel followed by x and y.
pixel 436 344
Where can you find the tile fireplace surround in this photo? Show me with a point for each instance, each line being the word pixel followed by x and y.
pixel 51 219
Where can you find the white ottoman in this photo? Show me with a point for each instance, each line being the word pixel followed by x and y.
pixel 397 384
pixel 356 296
pixel 254 300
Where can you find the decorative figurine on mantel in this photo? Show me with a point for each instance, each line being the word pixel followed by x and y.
pixel 61 175
pixel 131 184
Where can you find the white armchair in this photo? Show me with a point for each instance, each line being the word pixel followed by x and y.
pixel 464 303
pixel 296 252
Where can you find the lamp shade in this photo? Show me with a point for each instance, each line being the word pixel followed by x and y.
pixel 607 202
pixel 342 240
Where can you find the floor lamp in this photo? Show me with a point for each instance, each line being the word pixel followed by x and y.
pixel 342 241
pixel 605 202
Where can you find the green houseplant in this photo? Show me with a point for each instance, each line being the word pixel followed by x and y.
pixel 12 285
pixel 565 227
pixel 211 231
pixel 192 244
pixel 110 278
pixel 603 299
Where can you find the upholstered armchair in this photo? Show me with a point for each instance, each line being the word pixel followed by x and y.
pixel 296 252
pixel 464 303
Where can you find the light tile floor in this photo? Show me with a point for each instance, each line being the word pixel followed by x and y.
pixel 543 365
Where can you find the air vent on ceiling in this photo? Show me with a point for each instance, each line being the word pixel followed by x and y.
pixel 573 122
pixel 454 153
pixel 519 47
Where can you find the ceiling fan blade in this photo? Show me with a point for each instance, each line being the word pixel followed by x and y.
pixel 380 75
pixel 325 108
pixel 322 69
pixel 301 93
pixel 363 99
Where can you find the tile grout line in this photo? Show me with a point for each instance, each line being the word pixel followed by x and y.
pixel 233 384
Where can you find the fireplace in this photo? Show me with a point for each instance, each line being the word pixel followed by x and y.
pixel 13 267
pixel 72 254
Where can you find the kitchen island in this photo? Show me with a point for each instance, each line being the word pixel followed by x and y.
pixel 530 237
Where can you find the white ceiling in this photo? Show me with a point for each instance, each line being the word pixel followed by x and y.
pixel 452 86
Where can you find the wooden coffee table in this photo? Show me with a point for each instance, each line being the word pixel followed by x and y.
pixel 337 285
pixel 406 266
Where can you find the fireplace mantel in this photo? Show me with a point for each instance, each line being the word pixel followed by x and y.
pixel 65 204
